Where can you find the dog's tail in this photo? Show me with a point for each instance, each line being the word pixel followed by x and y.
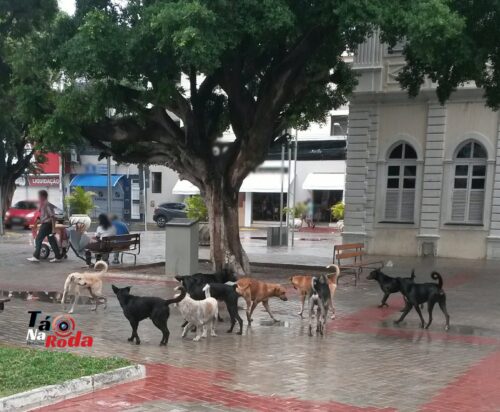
pixel 412 276
pixel 206 289
pixel 102 264
pixel 438 277
pixel 335 275
pixel 177 298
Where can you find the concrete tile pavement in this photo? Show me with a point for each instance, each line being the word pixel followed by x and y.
pixel 364 363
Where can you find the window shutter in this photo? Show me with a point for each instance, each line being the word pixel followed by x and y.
pixel 408 205
pixel 459 202
pixel 476 205
pixel 392 204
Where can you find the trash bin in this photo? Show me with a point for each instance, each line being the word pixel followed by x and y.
pixel 273 236
pixel 181 247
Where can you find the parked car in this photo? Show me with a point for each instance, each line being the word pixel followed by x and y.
pixel 166 211
pixel 25 213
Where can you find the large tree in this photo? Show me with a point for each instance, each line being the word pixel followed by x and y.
pixel 158 81
pixel 25 88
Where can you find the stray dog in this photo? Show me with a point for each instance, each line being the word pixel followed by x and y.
pixel 419 293
pixel 76 282
pixel 319 296
pixel 304 284
pixel 138 308
pixel 254 291
pixel 220 291
pixel 198 313
pixel 388 284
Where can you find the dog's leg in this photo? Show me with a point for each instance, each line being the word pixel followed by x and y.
pixel 403 315
pixel 384 300
pixel 266 305
pixel 134 332
pixel 303 301
pixel 422 321
pixel 63 299
pixel 187 326
pixel 212 327
pixel 430 307
pixel 201 332
pixel 442 305
pixel 162 325
pixel 249 314
pixel 77 295
pixel 311 309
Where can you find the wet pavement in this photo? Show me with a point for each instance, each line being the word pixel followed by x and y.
pixel 364 363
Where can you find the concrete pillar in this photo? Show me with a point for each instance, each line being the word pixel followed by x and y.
pixel 493 240
pixel 248 209
pixel 430 210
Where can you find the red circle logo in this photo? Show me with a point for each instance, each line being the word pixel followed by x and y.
pixel 63 326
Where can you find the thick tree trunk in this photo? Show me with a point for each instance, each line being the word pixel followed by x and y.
pixel 225 244
pixel 7 188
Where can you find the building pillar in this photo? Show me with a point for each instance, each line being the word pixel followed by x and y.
pixel 248 209
pixel 371 177
pixel 430 210
pixel 356 175
pixel 493 239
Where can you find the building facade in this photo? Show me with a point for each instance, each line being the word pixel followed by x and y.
pixel 422 178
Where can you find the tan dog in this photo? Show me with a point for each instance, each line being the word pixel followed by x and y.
pixel 254 291
pixel 77 282
pixel 303 283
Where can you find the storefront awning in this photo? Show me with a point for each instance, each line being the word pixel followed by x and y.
pixel 185 187
pixel 92 180
pixel 324 181
pixel 265 183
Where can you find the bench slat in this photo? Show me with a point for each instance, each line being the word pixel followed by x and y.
pixel 347 255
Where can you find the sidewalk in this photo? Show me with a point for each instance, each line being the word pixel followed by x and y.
pixel 363 364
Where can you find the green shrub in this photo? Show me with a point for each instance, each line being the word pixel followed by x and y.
pixel 80 202
pixel 297 212
pixel 338 211
pixel 196 208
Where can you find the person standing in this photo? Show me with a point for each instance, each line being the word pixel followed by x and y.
pixel 47 223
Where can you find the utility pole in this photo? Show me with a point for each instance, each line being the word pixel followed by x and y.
pixel 110 189
pixel 2 232
pixel 295 180
pixel 281 193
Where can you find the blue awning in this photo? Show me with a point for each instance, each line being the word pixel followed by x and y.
pixel 90 180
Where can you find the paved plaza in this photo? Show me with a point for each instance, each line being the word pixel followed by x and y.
pixel 364 363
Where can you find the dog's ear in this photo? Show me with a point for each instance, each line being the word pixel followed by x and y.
pixel 115 289
pixel 128 289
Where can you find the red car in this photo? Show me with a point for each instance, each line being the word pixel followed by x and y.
pixel 25 213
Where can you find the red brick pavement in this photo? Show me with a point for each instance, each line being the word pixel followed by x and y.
pixel 476 389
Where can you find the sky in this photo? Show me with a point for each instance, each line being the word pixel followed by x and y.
pixel 67 5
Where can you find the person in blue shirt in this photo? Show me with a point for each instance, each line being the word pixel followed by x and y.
pixel 121 228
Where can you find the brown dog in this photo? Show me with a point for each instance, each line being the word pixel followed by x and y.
pixel 303 283
pixel 254 291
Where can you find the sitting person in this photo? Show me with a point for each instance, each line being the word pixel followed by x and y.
pixel 121 229
pixel 95 245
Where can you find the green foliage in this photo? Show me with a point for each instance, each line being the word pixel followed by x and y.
pixel 297 212
pixel 338 211
pixel 20 368
pixel 80 202
pixel 196 208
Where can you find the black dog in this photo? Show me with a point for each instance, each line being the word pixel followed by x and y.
pixel 137 308
pixel 388 284
pixel 225 293
pixel 419 293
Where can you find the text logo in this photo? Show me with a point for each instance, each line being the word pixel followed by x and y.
pixel 59 332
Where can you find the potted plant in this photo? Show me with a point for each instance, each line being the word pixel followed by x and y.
pixel 197 209
pixel 80 203
pixel 296 214
pixel 337 211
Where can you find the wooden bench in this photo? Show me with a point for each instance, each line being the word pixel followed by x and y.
pixel 353 253
pixel 124 244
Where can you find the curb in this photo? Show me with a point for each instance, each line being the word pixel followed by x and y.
pixel 50 394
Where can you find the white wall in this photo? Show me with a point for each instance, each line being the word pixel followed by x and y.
pixel 168 180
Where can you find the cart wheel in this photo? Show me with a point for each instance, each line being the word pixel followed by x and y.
pixel 44 251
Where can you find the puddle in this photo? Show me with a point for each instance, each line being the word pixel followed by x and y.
pixel 41 296
pixel 273 323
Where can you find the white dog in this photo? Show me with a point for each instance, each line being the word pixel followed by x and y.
pixel 77 282
pixel 199 313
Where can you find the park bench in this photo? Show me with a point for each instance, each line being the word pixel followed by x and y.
pixel 124 244
pixel 349 258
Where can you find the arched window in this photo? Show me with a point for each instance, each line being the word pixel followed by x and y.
pixel 469 183
pixel 401 184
